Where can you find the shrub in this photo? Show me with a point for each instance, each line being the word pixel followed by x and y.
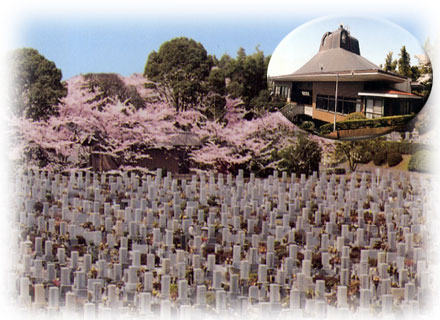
pixel 110 85
pixel 367 123
pixel 308 125
pixel 365 157
pixel 394 158
pixel 355 116
pixel 420 161
pixel 379 157
pixel 302 157
pixel 405 147
pixel 339 171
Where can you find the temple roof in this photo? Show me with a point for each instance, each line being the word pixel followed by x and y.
pixel 339 53
pixel 340 38
pixel 335 60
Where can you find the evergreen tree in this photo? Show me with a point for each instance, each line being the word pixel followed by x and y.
pixel 404 62
pixel 247 74
pixel 215 101
pixel 181 65
pixel 390 64
pixel 36 86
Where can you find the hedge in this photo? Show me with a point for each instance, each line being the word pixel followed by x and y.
pixel 420 161
pixel 394 158
pixel 391 121
pixel 336 171
pixel 405 147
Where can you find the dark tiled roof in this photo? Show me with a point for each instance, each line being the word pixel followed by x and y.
pixel 340 38
pixel 334 60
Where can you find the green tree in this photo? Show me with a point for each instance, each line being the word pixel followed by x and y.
pixel 215 106
pixel 415 72
pixel 36 87
pixel 303 156
pixel 181 65
pixel 254 74
pixel 215 101
pixel 246 74
pixel 234 70
pixel 216 81
pixel 226 63
pixel 351 151
pixel 404 63
pixel 390 64
pixel 110 85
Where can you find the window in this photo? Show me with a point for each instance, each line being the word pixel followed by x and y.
pixel 374 108
pixel 405 107
pixel 345 105
pixel 282 91
pixel 340 106
pixel 322 102
pixel 349 106
pixel 358 105
pixel 303 97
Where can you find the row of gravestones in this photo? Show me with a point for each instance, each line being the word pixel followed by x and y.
pixel 154 245
pixel 409 136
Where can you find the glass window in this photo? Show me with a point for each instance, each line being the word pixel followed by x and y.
pixel 404 107
pixel 349 106
pixel 345 105
pixel 358 105
pixel 340 105
pixel 378 110
pixel 322 102
pixel 331 104
pixel 374 108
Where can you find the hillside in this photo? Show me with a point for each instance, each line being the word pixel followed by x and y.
pixel 91 121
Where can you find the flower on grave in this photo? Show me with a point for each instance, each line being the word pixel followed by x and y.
pixel 310 293
pixel 103 246
pixel 417 239
pixel 93 273
pixel 409 263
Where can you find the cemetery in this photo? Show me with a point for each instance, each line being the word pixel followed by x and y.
pixel 158 246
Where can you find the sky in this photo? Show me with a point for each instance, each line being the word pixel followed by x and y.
pixel 124 47
pixel 376 38
pixel 80 41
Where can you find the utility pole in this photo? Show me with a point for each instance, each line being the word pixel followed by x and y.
pixel 336 102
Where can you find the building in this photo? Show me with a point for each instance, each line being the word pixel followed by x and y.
pixel 339 70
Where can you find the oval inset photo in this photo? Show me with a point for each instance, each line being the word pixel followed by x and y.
pixel 350 78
